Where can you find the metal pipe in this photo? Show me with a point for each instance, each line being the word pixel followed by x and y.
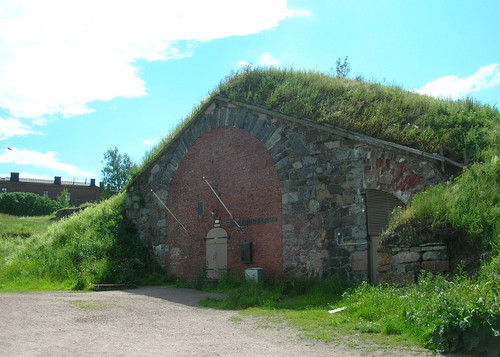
pixel 216 195
pixel 169 211
pixel 342 242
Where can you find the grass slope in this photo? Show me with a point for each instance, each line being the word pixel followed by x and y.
pixel 97 245
pixel 385 112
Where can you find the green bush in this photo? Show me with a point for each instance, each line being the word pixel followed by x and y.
pixel 27 204
pixel 460 315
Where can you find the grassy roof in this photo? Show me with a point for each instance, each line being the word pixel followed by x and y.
pixel 384 112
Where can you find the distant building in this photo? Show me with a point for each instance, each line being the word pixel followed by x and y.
pixel 78 191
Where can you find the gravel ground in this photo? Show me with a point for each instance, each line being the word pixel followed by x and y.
pixel 146 321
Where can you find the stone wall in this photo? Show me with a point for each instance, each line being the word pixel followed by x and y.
pixel 323 173
pixel 403 264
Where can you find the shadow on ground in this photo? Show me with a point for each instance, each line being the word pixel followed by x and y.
pixel 188 297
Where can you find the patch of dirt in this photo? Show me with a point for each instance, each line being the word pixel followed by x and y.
pixel 150 320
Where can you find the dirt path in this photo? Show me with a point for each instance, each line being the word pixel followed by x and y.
pixel 146 321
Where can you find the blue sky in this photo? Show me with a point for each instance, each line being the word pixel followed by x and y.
pixel 80 77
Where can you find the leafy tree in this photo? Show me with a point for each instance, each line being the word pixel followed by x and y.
pixel 342 69
pixel 62 198
pixel 117 171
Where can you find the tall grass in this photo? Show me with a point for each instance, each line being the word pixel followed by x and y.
pixel 462 313
pixel 96 246
pixel 465 212
pixel 386 112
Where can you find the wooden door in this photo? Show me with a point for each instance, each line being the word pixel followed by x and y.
pixel 216 264
pixel 379 208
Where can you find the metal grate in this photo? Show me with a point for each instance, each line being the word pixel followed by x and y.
pixel 379 205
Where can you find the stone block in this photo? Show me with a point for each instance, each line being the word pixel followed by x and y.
pixel 406 257
pixel 322 192
pixel 289 197
pixel 385 277
pixel 355 172
pixel 299 148
pixel 282 163
pixel 405 278
pixel 306 172
pixel 313 206
pixel 307 193
pixel 412 267
pixel 337 262
pixel 155 169
pixel 335 189
pixel 285 186
pixel 382 250
pixel 436 266
pixel 358 233
pixel 384 258
pixel 342 154
pixel 161 223
pixel 384 268
pixel 309 161
pixel 159 250
pixel 332 145
pixel 434 255
pixel 359 261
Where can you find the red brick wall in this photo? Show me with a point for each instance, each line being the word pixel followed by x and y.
pixel 79 194
pixel 242 172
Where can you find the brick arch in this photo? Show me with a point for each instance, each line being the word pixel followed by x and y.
pixel 277 144
pixel 242 172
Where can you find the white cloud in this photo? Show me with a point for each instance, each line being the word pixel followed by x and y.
pixel 28 176
pixel 46 160
pixel 13 127
pixel 267 60
pixel 151 142
pixel 243 63
pixel 59 55
pixel 456 88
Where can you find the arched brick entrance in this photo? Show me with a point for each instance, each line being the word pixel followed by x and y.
pixel 241 171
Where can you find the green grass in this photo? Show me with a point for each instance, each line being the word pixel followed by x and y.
pixel 95 246
pixel 465 213
pixel 15 226
pixel 460 313
pixel 385 112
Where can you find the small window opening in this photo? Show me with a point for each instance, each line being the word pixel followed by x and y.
pixel 246 252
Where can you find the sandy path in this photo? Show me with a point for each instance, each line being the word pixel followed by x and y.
pixel 146 321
